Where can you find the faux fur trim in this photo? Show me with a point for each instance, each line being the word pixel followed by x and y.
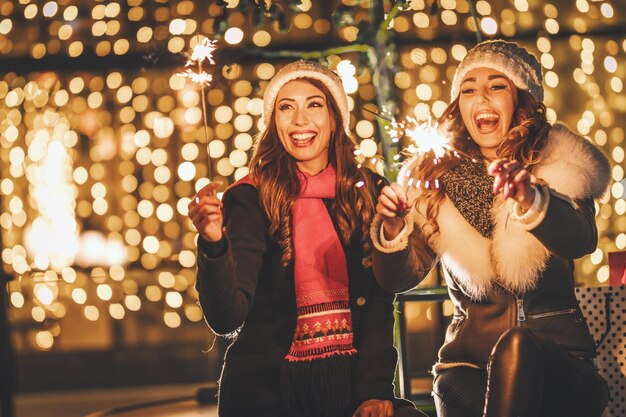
pixel 571 166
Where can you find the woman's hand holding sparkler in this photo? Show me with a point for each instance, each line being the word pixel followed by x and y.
pixel 513 180
pixel 205 212
pixel 393 205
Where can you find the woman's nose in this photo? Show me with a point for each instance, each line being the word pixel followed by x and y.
pixel 483 95
pixel 299 117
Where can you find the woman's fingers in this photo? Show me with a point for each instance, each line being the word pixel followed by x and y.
pixel 387 203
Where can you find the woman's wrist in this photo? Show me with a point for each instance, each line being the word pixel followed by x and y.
pixel 392 227
pixel 529 198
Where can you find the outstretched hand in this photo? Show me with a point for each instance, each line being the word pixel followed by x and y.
pixel 513 181
pixel 374 408
pixel 205 212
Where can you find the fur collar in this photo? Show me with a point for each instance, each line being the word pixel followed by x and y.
pixel 573 169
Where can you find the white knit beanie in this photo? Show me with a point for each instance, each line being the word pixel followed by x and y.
pixel 306 69
pixel 519 65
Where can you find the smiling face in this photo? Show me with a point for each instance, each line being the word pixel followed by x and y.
pixel 487 102
pixel 304 124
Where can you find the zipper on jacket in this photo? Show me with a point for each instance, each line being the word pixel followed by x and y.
pixel 521 315
pixel 552 313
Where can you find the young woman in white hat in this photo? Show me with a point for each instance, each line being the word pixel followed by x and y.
pixel 506 230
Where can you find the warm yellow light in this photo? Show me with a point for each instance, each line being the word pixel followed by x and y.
pixel 483 7
pixel 177 27
pixel 44 340
pixel 243 141
pixel 163 127
pixel 193 313
pixel 552 26
pixel 261 38
pixel 172 319
pixel 132 302
pixel 610 64
pixel 30 11
pixel 233 35
pixel 582 6
pixel 145 208
pixel 91 313
pixel 190 151
pixel 79 295
pixel 489 25
pixel 607 10
pixel 186 171
pixel 365 129
pixel 104 292
pixel 173 299
pixel 70 13
pixel 69 275
pixel 165 213
pixel 368 148
pixel 151 244
pixel 5 26
pixel 144 34
pixel 117 311
pixel 44 294
pixel 187 258
pixel 50 9
pixel 17 300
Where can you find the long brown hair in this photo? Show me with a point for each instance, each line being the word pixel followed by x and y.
pixel 275 174
pixel 524 141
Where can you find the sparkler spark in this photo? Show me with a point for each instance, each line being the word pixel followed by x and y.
pixel 427 140
pixel 201 52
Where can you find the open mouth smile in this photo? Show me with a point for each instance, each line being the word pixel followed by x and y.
pixel 487 121
pixel 302 138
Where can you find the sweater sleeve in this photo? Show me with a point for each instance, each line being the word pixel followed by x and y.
pixel 228 270
pixel 401 264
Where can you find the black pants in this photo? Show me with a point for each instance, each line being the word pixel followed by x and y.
pixel 527 377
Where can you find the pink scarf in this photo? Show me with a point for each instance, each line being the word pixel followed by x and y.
pixel 316 375
pixel 324 324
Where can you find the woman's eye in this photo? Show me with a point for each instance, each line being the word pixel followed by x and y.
pixel 316 104
pixel 284 107
pixel 468 91
pixel 498 87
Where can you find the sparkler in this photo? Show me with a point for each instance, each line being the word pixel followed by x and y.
pixel 427 140
pixel 203 51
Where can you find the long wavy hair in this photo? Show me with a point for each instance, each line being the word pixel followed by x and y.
pixel 274 172
pixel 524 141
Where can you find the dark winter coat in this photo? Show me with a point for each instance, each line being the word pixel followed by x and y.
pixel 244 290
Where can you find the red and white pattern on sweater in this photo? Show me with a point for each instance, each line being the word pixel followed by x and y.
pixel 323 330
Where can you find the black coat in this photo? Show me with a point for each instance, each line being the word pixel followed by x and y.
pixel 244 290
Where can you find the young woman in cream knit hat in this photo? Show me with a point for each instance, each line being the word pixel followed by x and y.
pixel 284 265
pixel 506 230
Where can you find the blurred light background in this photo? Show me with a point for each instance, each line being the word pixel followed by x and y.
pixel 102 145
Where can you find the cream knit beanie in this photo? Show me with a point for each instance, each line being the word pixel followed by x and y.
pixel 519 65
pixel 306 69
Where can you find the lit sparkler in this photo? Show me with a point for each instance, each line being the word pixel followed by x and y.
pixel 427 141
pixel 203 51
